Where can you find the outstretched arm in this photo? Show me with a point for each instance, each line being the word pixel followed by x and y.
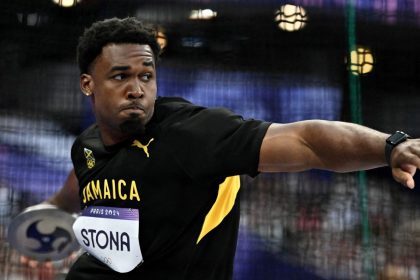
pixel 67 198
pixel 335 146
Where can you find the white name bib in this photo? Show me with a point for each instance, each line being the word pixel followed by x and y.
pixel 111 235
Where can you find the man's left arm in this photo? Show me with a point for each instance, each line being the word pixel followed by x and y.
pixel 335 146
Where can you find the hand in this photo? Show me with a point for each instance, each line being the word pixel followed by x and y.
pixel 405 160
pixel 45 270
pixel 33 268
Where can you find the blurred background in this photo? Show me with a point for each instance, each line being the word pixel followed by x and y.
pixel 281 61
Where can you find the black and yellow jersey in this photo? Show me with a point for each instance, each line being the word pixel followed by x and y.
pixel 182 176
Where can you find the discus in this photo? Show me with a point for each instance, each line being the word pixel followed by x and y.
pixel 43 232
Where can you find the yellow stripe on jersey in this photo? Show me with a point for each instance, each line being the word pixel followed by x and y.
pixel 225 200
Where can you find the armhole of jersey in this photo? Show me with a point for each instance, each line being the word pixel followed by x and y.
pixel 228 190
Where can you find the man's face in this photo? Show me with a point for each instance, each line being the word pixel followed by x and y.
pixel 122 82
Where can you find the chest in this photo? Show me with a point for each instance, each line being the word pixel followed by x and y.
pixel 144 174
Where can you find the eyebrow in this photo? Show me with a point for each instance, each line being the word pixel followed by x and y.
pixel 119 68
pixel 124 68
pixel 149 63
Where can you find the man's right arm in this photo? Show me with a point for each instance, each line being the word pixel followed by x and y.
pixel 67 198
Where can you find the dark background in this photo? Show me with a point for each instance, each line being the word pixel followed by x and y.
pixel 307 225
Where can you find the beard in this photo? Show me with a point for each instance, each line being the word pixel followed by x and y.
pixel 133 125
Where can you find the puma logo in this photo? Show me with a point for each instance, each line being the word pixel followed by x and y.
pixel 141 146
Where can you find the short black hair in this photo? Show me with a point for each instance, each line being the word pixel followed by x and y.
pixel 115 30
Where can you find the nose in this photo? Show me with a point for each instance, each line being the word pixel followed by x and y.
pixel 135 91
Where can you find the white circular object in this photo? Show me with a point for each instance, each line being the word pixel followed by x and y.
pixel 43 232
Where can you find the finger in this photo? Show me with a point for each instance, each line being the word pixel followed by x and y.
pixel 404 176
pixel 71 258
pixel 33 263
pixel 24 260
pixel 410 183
pixel 46 271
pixel 48 265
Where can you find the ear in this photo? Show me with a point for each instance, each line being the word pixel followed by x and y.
pixel 86 84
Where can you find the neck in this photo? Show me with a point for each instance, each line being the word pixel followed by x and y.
pixel 111 137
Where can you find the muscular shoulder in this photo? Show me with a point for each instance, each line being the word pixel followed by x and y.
pixel 90 134
pixel 89 139
pixel 179 110
pixel 169 106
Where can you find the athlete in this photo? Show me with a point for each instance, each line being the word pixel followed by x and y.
pixel 156 179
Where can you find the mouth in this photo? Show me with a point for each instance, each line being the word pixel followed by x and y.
pixel 132 108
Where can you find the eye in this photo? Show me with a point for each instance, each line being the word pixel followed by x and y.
pixel 146 77
pixel 119 77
